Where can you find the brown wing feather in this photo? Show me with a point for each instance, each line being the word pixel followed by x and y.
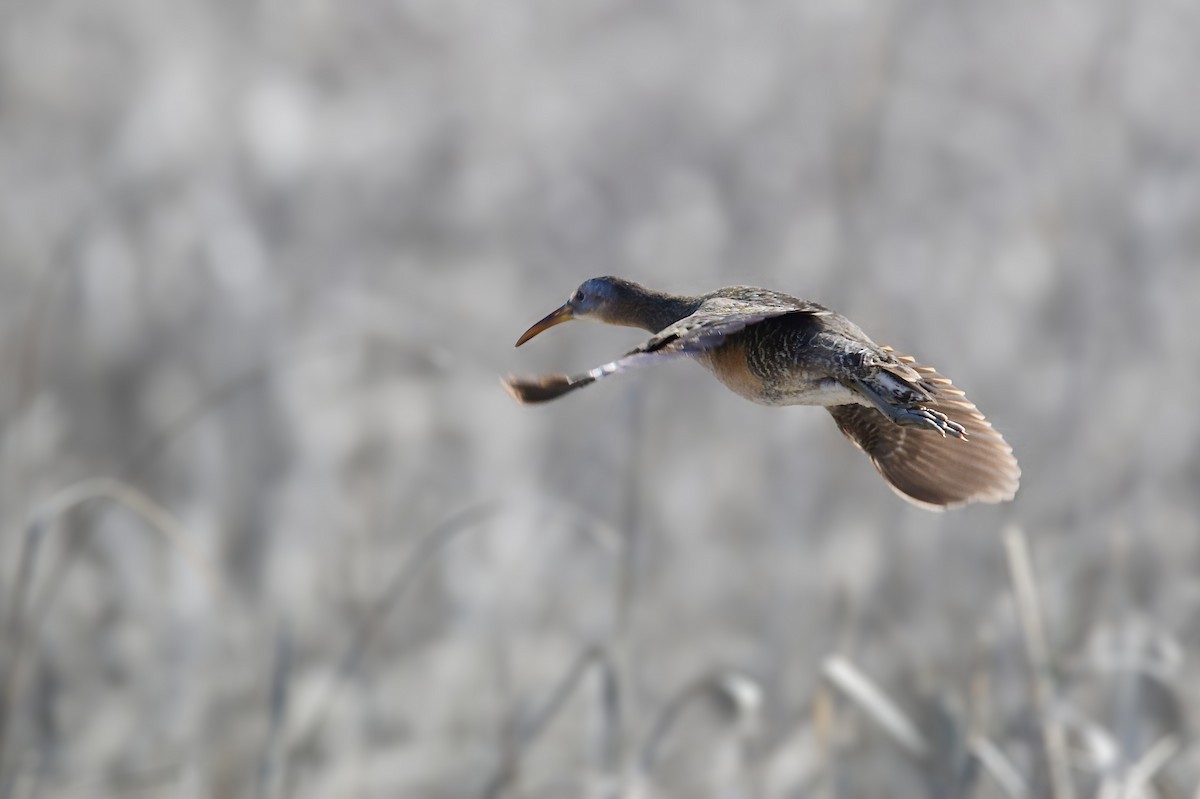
pixel 927 468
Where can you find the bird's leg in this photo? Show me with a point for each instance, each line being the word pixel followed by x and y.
pixel 909 414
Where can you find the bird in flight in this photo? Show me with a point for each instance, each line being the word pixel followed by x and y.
pixel 930 443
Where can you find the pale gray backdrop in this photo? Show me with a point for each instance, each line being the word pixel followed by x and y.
pixel 262 263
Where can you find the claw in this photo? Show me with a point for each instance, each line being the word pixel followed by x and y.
pixel 934 420
pixel 947 426
pixel 912 415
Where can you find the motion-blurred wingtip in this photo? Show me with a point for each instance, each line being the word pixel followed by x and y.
pixel 530 391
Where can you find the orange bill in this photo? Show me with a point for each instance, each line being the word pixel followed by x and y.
pixel 556 317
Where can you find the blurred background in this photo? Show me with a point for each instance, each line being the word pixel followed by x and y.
pixel 272 528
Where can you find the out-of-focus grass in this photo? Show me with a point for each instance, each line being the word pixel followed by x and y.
pixel 261 265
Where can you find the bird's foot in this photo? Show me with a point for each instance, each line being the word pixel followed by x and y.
pixel 920 416
pixel 912 415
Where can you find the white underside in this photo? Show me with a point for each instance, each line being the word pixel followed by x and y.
pixel 824 393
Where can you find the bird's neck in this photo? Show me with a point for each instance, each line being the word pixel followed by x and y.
pixel 654 310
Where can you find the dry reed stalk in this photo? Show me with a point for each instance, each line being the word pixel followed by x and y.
pixel 271 765
pixel 1002 770
pixel 364 634
pixel 1142 773
pixel 531 729
pixel 878 706
pixel 738 691
pixel 1038 652
pixel 43 521
pixel 620 707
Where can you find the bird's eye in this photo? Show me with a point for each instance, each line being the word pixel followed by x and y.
pixel 577 297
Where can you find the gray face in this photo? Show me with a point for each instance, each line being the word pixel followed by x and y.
pixel 594 296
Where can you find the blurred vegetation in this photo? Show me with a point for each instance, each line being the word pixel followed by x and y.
pixel 271 527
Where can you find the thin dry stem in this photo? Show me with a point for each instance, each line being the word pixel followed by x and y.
pixel 532 728
pixel 1002 770
pixel 743 694
pixel 1148 765
pixel 870 698
pixel 1038 652
pixel 43 520
pixel 426 551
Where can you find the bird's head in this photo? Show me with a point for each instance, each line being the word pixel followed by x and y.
pixel 604 299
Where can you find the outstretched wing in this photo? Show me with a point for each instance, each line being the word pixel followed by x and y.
pixel 718 318
pixel 930 469
pixel 707 328
pixel 543 388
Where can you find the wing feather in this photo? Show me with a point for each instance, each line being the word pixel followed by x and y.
pixel 929 469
